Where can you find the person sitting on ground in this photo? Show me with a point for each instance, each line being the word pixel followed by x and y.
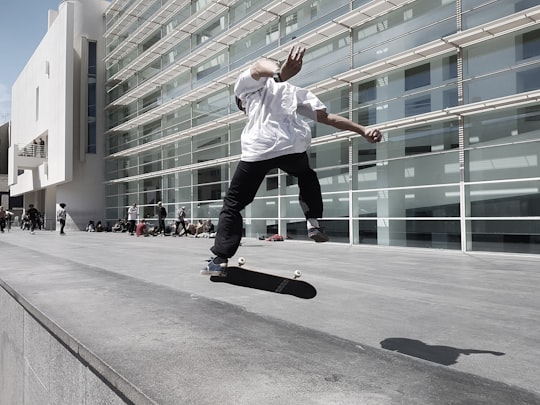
pixel 141 228
pixel 117 227
pixel 91 227
pixel 99 227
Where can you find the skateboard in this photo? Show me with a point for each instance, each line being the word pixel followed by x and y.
pixel 242 277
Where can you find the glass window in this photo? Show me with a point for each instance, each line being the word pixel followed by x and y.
pixel 272 33
pixel 209 108
pixel 325 60
pixel 150 41
pixel 177 120
pixel 528 45
pixel 329 155
pixel 91 99
pixel 450 67
pixel 210 68
pixel 512 236
pixel 242 9
pixel 528 80
pixel 433 234
pixel 310 15
pixel 515 199
pixel 210 145
pixel 381 98
pixel 514 161
pixel 490 69
pixel 263 208
pixel 477 12
pixel 336 102
pixel 367 91
pixel 418 76
pixel 150 70
pixel 418 105
pixel 336 179
pixel 150 162
pixel 405 28
pixel 250 47
pixel 495 128
pixel 336 205
pixel 210 30
pixel 207 210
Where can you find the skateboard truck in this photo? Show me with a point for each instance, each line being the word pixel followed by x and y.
pixel 242 261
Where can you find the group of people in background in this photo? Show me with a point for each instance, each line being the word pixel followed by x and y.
pixel 33 220
pixel 181 226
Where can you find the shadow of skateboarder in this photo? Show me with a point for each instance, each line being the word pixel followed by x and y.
pixel 445 355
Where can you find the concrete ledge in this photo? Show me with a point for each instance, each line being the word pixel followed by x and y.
pixel 42 341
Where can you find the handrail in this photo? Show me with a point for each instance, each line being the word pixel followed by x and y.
pixel 31 150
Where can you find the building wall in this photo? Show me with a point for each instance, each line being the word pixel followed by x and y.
pixel 452 84
pixel 38 367
pixel 48 103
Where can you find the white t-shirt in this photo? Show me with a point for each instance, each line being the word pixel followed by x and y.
pixel 274 127
pixel 132 213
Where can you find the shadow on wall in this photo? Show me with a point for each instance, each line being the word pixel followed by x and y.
pixel 445 355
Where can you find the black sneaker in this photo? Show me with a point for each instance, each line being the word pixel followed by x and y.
pixel 216 266
pixel 317 235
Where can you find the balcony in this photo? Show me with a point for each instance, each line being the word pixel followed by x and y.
pixel 29 156
pixel 26 157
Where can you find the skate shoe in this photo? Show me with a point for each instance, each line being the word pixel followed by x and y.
pixel 317 235
pixel 217 266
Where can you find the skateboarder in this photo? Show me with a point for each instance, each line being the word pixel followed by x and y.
pixel 275 137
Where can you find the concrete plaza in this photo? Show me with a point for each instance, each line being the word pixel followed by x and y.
pixel 388 325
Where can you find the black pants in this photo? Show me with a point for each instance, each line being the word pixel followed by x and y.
pixel 62 225
pixel 178 223
pixel 161 226
pixel 132 226
pixel 243 188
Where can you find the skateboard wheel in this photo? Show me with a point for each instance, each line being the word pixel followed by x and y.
pixel 297 274
pixel 241 261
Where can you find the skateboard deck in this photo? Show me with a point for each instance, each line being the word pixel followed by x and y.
pixel 243 277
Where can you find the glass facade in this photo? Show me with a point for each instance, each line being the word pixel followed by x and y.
pixel 458 164
pixel 92 97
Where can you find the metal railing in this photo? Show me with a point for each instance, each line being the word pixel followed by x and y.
pixel 32 150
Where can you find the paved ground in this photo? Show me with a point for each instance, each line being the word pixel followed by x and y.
pixel 388 325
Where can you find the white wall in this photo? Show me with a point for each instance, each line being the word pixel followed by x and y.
pixel 72 176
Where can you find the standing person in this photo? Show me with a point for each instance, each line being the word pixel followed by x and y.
pixel 162 214
pixel 61 215
pixel 3 217
pixel 180 220
pixel 275 137
pixel 33 216
pixel 132 214
pixel 41 148
pixel 9 219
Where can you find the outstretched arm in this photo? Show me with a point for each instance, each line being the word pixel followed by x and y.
pixel 372 135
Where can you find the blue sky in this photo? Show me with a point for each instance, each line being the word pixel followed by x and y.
pixel 24 23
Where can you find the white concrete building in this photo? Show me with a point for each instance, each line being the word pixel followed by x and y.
pixel 56 152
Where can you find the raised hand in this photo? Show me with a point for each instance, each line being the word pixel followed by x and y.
pixel 293 64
